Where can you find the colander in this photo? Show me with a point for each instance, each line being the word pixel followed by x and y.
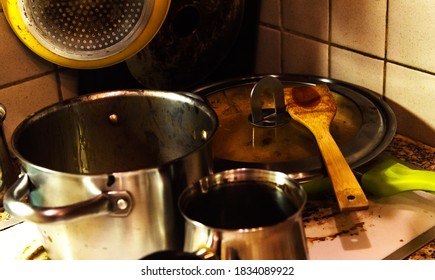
pixel 85 34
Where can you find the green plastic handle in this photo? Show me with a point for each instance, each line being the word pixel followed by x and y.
pixel 389 177
pixel 385 177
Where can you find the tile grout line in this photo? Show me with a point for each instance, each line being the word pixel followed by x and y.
pixel 281 37
pixel 21 81
pixel 329 36
pixel 331 44
pixel 58 84
pixel 384 78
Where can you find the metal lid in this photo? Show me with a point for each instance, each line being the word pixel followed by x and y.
pixel 363 127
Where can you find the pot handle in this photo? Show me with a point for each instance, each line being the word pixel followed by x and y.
pixel 113 203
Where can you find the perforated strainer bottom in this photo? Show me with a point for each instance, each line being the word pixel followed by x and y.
pixel 92 28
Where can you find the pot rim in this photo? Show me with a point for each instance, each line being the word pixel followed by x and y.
pixel 176 95
pixel 240 175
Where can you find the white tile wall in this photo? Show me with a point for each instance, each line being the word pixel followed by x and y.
pixel 303 56
pixel 28 82
pixel 411 94
pixel 308 17
pixel 359 25
pixel 270 12
pixel 357 69
pixel 26 97
pixel 386 46
pixel 17 61
pixel 411 33
pixel 268 58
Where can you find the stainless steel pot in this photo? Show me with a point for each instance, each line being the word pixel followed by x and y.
pixel 248 214
pixel 104 171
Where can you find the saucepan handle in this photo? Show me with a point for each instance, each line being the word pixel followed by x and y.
pixel 113 203
pixel 200 254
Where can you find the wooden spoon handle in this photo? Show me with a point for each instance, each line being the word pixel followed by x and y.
pixel 348 191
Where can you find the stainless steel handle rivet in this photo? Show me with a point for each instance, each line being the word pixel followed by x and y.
pixel 113 118
pixel 204 135
pixel 122 204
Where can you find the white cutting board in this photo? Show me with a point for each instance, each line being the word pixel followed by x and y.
pixel 17 239
pixel 373 234
pixel 387 225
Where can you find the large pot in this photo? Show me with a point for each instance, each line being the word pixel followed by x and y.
pixel 363 126
pixel 104 171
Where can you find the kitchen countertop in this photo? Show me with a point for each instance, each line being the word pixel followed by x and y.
pixel 393 227
pixel 422 156
pixel 401 147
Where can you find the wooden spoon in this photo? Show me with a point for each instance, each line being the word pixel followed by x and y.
pixel 315 107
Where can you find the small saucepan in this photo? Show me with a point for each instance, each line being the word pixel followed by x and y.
pixel 242 214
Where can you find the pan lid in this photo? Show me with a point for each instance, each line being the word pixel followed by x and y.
pixel 363 127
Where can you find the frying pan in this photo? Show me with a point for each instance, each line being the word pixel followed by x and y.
pixel 363 127
pixel 85 34
pixel 191 44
